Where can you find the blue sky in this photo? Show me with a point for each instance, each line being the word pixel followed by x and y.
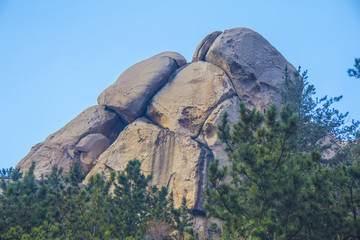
pixel 57 56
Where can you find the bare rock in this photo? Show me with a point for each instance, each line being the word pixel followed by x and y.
pixel 176 161
pixel 255 67
pixel 129 95
pixel 208 133
pixel 204 46
pixel 189 97
pixel 178 58
pixel 59 148
pixel 90 147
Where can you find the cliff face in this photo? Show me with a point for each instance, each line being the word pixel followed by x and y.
pixel 164 112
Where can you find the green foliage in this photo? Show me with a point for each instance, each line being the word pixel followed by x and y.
pixel 121 207
pixel 316 116
pixel 271 189
pixel 355 72
pixel 75 174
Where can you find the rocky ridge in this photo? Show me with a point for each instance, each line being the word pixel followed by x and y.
pixel 164 112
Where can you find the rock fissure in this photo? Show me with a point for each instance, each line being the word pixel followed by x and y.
pixel 168 184
pixel 211 110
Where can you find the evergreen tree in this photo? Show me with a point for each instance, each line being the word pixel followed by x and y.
pixel 130 200
pixel 355 72
pixel 273 190
pixel 317 119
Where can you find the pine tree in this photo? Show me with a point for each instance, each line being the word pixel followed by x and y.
pixel 130 200
pixel 273 190
pixel 317 119
pixel 355 72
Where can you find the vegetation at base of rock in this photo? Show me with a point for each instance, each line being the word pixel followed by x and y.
pixel 122 207
pixel 278 185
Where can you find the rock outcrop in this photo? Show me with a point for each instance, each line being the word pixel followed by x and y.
pixel 176 161
pixel 189 97
pixel 60 147
pixel 255 67
pixel 171 109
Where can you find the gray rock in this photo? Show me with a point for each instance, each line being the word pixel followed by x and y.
pixel 178 58
pixel 255 67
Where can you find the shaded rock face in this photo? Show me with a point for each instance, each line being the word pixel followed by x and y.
pixel 59 148
pixel 255 67
pixel 171 109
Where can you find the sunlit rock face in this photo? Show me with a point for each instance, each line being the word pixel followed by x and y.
pixel 60 148
pixel 165 111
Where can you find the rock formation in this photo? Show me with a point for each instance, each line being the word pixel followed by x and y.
pixel 63 147
pixel 164 112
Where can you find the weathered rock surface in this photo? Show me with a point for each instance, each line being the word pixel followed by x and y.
pixel 176 161
pixel 90 147
pixel 189 97
pixel 208 134
pixel 178 58
pixel 255 67
pixel 129 95
pixel 59 148
pixel 204 46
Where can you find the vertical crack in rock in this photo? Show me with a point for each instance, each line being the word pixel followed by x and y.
pixel 184 103
pixel 206 157
pixel 168 184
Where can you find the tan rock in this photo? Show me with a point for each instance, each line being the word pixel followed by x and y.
pixel 208 133
pixel 89 149
pixel 204 46
pixel 189 97
pixel 176 161
pixel 129 95
pixel 255 67
pixel 59 148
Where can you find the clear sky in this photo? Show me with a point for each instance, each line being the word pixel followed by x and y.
pixel 57 56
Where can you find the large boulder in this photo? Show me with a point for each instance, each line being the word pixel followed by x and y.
pixel 255 67
pixel 189 97
pixel 131 92
pixel 59 148
pixel 90 147
pixel 176 161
